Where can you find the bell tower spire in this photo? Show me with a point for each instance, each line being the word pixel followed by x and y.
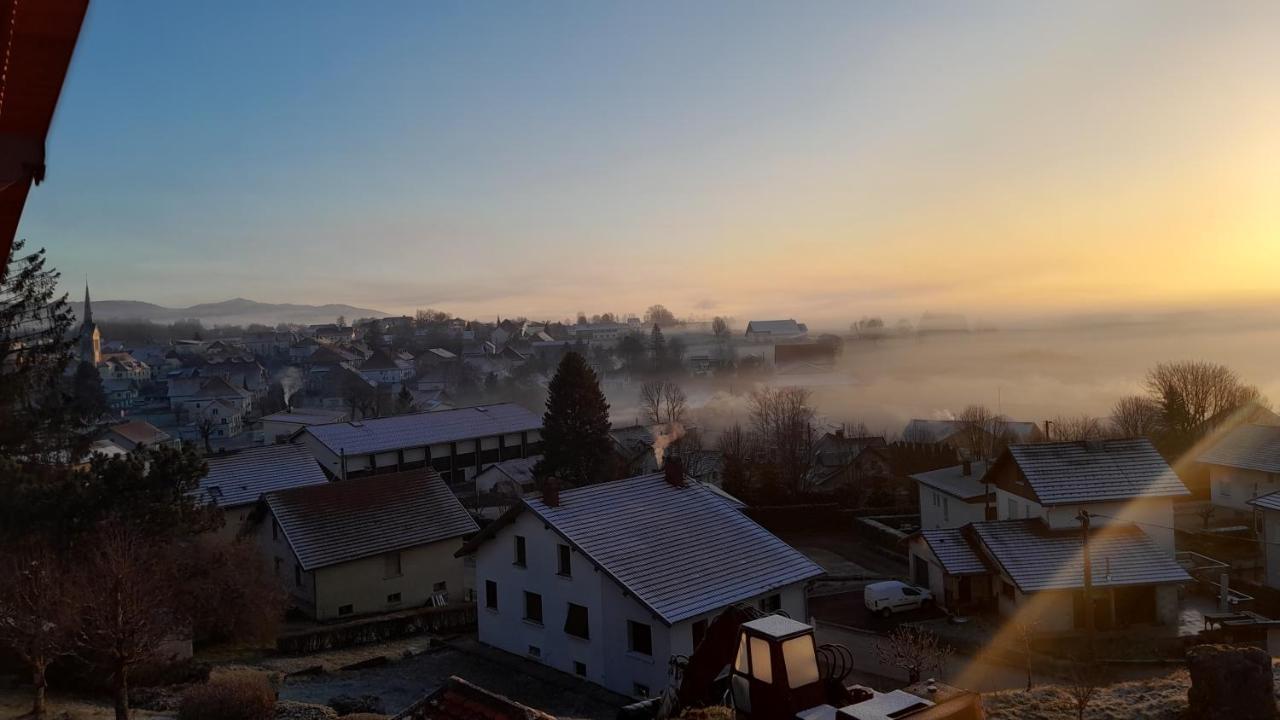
pixel 87 319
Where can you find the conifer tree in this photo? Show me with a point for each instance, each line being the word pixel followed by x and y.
pixel 575 428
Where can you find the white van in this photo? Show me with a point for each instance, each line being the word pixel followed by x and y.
pixel 892 596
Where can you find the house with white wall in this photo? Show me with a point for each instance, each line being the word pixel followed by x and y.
pixel 369 545
pixel 610 581
pixel 236 481
pixel 1243 464
pixel 774 330
pixel 279 427
pixel 1029 555
pixel 456 443
pixel 954 496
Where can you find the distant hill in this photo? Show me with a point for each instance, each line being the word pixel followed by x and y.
pixel 237 311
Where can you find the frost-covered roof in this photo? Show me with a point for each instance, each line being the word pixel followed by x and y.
pixel 957 555
pixel 418 429
pixel 775 327
pixel 1248 447
pixel 241 478
pixel 953 481
pixel 1095 471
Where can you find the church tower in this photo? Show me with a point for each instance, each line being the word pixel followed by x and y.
pixel 90 336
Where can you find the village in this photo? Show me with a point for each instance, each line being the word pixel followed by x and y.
pixel 957 403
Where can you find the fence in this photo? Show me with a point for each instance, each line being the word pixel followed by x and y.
pixel 452 618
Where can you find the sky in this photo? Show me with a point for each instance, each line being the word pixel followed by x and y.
pixel 816 160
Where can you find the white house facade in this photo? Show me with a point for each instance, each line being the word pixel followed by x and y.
pixel 577 581
pixel 1244 464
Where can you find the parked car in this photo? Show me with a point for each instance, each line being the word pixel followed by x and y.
pixel 891 596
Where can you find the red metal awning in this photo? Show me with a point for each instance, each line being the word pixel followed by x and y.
pixel 37 39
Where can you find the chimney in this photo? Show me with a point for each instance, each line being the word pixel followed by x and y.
pixel 966 468
pixel 674 470
pixel 551 492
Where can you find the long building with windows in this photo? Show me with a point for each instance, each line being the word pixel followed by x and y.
pixel 455 443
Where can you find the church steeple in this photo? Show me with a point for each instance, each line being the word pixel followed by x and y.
pixel 90 336
pixel 87 319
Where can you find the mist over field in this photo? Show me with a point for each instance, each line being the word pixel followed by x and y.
pixel 1028 374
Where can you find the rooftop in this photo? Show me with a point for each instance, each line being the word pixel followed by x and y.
pixel 957 555
pixel 1037 558
pixel 307 416
pixel 241 478
pixel 139 431
pixel 680 551
pixel 953 481
pixel 1248 447
pixel 428 428
pixel 1062 473
pixel 781 327
pixel 351 519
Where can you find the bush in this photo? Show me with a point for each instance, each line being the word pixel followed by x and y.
pixel 236 695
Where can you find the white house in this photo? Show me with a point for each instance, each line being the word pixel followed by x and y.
pixel 456 443
pixel 1244 464
pixel 954 496
pixel 610 581
pixel 382 368
pixel 1029 555
pixel 279 427
pixel 368 545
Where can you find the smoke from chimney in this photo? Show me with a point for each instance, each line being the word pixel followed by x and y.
pixel 663 436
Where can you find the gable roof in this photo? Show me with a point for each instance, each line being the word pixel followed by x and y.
pixel 241 478
pixel 307 416
pixel 953 481
pixel 517 470
pixel 1248 447
pixel 957 556
pixel 140 431
pixel 351 519
pixel 680 551
pixel 217 387
pixel 458 699
pixel 1270 501
pixel 1037 558
pixel 1062 473
pixel 379 360
pixel 428 428
pixel 779 327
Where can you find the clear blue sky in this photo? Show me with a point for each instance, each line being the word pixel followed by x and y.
pixel 818 160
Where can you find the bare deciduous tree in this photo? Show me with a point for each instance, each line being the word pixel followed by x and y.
pixel 663 402
pixel 720 327
pixel 204 425
pixel 1026 633
pixel 128 586
pixel 1073 428
pixel 38 620
pixel 983 432
pixel 782 421
pixel 1205 388
pixel 1082 685
pixel 914 650
pixel 1135 416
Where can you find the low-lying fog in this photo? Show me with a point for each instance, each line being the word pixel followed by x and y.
pixel 1027 374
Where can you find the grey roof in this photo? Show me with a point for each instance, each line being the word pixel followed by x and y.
pixel 352 519
pixel 1248 447
pixel 680 551
pixel 1037 558
pixel 517 470
pixel 241 478
pixel 953 481
pixel 418 429
pixel 1270 501
pixel 780 327
pixel 1095 471
pixel 957 555
pixel 307 416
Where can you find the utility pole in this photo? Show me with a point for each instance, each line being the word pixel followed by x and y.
pixel 1083 517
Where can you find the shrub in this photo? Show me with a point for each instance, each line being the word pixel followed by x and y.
pixel 236 695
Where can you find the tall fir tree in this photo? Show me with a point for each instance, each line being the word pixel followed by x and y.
pixel 88 398
pixel 575 429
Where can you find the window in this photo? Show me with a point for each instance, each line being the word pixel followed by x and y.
pixel 946 510
pixel 391 565
pixel 575 622
pixel 801 661
pixel 533 607
pixel 771 603
pixel 699 631
pixel 640 690
pixel 440 587
pixel 1013 509
pixel 1226 488
pixel 275 529
pixel 491 594
pixel 579 669
pixel 520 550
pixel 278 564
pixel 910 592
pixel 535 651
pixel 345 610
pixel 564 567
pixel 297 575
pixel 639 638
pixel 393 598
pixel 1007 590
